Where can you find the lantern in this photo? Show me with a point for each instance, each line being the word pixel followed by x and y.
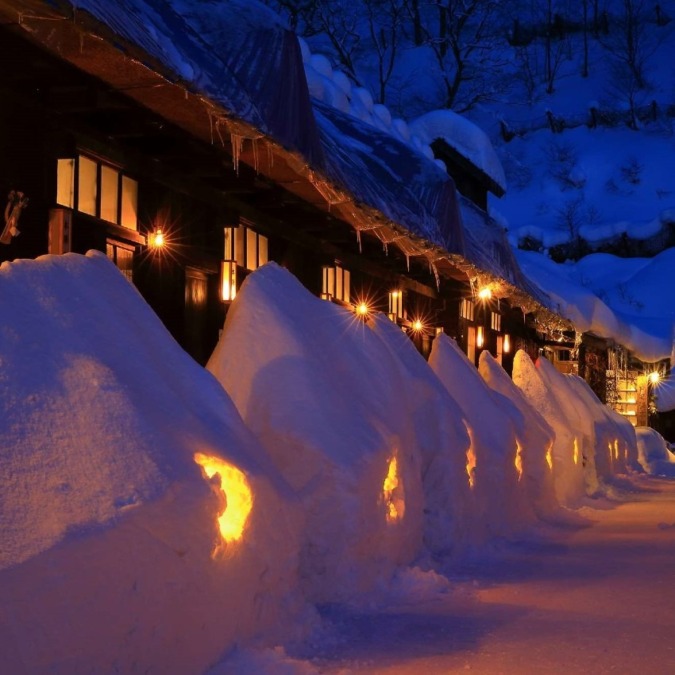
pixel 156 239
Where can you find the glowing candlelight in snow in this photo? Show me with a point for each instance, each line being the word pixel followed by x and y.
pixel 236 492
pixel 392 492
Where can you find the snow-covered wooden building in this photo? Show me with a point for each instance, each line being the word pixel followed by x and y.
pixel 182 140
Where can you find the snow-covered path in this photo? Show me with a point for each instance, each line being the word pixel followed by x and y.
pixel 598 599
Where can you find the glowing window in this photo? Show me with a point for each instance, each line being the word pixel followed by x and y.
pixel 245 246
pixel 87 186
pixel 335 284
pixel 109 193
pixel 471 343
pixel 495 321
pixel 467 310
pixel 129 203
pixel 65 182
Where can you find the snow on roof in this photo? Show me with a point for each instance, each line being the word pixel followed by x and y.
pixel 100 496
pixel 237 53
pixel 462 136
pixel 636 310
pixel 385 173
pixel 487 247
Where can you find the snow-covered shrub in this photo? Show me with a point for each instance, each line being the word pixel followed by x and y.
pixel 562 158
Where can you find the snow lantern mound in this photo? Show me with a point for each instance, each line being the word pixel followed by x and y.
pixel 548 393
pixel 323 395
pixel 534 435
pixel 112 555
pixel 443 442
pixel 614 439
pixel 490 460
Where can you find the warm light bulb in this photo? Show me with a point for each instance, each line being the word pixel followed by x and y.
pixel 654 377
pixel 362 309
pixel 157 239
pixel 485 293
pixel 418 326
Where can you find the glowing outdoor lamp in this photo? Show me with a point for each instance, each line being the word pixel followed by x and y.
pixel 156 239
pixel 484 293
pixel 362 309
pixel 417 326
pixel 654 377
pixel 228 280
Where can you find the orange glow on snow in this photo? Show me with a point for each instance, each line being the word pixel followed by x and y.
pixel 471 460
pixel 236 492
pixel 549 456
pixel 519 460
pixel 576 451
pixel 392 490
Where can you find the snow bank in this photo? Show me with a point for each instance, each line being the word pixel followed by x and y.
pixel 111 556
pixel 592 442
pixel 461 135
pixel 491 457
pixel 544 389
pixel 443 441
pixel 654 455
pixel 324 396
pixel 613 435
pixel 533 433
